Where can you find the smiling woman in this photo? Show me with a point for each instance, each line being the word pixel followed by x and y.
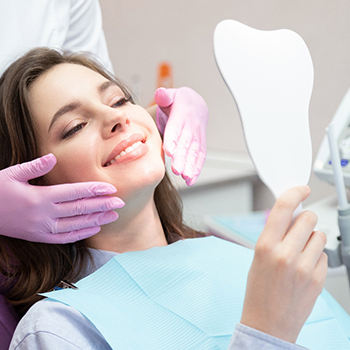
pixel 71 107
pixel 162 292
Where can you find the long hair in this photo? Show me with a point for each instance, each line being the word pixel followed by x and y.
pixel 31 268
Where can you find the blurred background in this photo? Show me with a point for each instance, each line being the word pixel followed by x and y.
pixel 142 34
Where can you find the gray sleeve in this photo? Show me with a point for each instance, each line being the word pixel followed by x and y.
pixel 44 340
pixel 246 338
pixel 54 325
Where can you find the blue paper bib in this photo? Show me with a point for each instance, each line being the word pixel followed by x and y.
pixel 187 295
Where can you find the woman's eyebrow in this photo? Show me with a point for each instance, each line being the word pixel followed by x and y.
pixel 104 86
pixel 63 110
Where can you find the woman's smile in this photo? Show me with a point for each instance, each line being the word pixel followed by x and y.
pixel 128 149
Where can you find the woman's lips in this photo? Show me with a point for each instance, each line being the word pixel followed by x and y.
pixel 130 148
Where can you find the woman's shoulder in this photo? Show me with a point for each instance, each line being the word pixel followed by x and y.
pixel 58 325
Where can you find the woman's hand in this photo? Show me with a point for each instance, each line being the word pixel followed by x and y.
pixel 182 117
pixel 288 270
pixel 52 214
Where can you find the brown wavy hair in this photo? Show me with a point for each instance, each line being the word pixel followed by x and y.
pixel 31 268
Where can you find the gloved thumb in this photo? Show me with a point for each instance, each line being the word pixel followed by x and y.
pixel 164 97
pixel 33 169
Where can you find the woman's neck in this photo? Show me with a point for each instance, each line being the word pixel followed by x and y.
pixel 137 229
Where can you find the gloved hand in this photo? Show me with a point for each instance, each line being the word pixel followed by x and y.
pixel 182 116
pixel 52 214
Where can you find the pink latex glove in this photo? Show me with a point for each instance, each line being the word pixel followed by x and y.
pixel 52 214
pixel 182 116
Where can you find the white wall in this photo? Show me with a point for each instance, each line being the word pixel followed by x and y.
pixel 142 33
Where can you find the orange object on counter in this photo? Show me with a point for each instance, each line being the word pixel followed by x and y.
pixel 164 77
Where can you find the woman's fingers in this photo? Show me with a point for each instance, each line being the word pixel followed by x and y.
pixel 288 270
pixel 281 214
pixel 321 272
pixel 299 234
pixel 314 249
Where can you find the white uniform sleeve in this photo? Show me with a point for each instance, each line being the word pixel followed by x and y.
pixel 246 338
pixel 69 25
pixel 85 32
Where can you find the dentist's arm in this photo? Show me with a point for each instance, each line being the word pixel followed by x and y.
pixel 182 117
pixel 52 214
pixel 287 274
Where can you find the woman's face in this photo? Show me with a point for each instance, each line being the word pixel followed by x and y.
pixel 95 134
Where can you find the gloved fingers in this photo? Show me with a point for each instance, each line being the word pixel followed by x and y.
pixel 180 155
pixel 171 137
pixel 87 206
pixel 76 223
pixel 191 160
pixel 174 129
pixel 164 97
pixel 162 119
pixel 71 192
pixel 33 169
pixel 185 114
pixel 198 168
pixel 70 237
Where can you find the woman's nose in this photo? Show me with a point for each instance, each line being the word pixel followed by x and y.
pixel 114 123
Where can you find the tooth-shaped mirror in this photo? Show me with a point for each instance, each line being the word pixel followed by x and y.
pixel 270 75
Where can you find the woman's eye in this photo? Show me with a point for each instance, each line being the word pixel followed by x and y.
pixel 121 102
pixel 74 130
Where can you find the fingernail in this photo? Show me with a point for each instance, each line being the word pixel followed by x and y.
pixel 105 189
pixel 83 234
pixel 175 171
pixel 91 231
pixel 191 181
pixel 188 173
pixel 188 182
pixel 48 157
pixel 107 218
pixel 306 188
pixel 116 203
pixel 47 160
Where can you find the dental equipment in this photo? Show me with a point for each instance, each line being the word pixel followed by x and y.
pixel 270 75
pixel 341 254
pixel 341 121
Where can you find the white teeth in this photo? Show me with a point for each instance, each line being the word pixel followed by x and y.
pixel 123 153
pixel 136 144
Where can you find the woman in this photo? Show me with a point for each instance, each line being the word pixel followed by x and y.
pixel 76 26
pixel 71 107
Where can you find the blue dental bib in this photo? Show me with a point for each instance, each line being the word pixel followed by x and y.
pixel 187 295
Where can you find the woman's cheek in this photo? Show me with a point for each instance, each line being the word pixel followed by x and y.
pixel 70 167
